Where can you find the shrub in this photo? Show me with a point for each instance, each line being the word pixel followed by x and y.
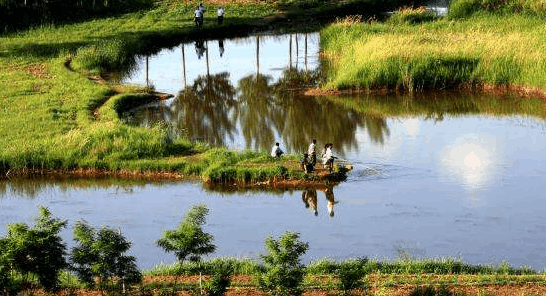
pixel 189 239
pixel 101 255
pixel 408 15
pixel 37 250
pixel 6 283
pixel 216 286
pixel 349 274
pixel 283 264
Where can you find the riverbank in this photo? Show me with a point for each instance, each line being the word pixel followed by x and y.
pixel 489 51
pixel 57 118
pixel 428 276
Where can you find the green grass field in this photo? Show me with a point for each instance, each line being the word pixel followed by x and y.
pixel 414 51
pixel 53 116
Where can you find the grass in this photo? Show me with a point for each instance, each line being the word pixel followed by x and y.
pixel 375 277
pixel 54 117
pixel 413 55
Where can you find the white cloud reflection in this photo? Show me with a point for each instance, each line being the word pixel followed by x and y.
pixel 472 160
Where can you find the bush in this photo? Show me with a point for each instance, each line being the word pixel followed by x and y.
pixel 37 250
pixel 101 255
pixel 189 239
pixel 6 283
pixel 349 276
pixel 217 285
pixel 283 264
pixel 412 16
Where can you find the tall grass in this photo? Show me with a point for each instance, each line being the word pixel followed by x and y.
pixel 327 266
pixel 500 50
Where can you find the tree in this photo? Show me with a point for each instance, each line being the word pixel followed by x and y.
pixel 101 255
pixel 37 250
pixel 283 262
pixel 189 239
pixel 6 283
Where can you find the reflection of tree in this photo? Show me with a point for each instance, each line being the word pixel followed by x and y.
pixel 256 111
pixel 304 118
pixel 201 111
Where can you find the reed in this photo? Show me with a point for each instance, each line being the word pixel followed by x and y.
pixel 490 49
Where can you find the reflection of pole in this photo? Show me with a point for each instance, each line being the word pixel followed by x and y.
pixel 207 55
pixel 184 65
pixel 297 51
pixel 305 51
pixel 147 67
pixel 290 51
pixel 257 55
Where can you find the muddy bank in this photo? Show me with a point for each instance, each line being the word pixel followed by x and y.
pixel 319 180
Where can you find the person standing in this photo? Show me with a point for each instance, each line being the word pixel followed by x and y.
pixel 276 151
pixel 328 157
pixel 198 17
pixel 312 152
pixel 220 15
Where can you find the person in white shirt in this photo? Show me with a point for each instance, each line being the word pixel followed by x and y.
pixel 312 152
pixel 198 17
pixel 276 151
pixel 328 157
pixel 220 15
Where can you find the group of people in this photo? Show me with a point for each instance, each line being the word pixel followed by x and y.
pixel 309 159
pixel 200 12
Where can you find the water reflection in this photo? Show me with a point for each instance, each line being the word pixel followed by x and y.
pixel 260 112
pixel 201 112
pixel 310 200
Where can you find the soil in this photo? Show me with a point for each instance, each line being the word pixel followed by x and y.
pixel 242 286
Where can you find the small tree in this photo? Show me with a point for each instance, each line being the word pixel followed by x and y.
pixel 101 255
pixel 283 262
pixel 6 283
pixel 189 239
pixel 37 250
pixel 349 275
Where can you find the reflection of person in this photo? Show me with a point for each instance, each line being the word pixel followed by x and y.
pixel 329 192
pixel 312 151
pixel 200 48
pixel 309 198
pixel 276 151
pixel 221 46
pixel 220 15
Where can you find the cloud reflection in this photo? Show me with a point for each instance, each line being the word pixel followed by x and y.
pixel 472 160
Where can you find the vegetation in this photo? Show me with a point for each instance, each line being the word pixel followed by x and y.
pixel 411 51
pixel 99 256
pixel 284 271
pixel 34 251
pixel 189 240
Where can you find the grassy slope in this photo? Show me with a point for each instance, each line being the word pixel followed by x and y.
pixel 486 48
pixel 47 116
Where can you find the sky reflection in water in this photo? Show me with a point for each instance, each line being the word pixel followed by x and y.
pixel 443 181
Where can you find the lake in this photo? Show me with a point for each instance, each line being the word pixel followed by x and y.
pixel 434 174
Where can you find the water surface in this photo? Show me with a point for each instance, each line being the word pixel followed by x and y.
pixel 438 174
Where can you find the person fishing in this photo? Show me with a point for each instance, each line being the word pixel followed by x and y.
pixel 312 152
pixel 328 157
pixel 276 151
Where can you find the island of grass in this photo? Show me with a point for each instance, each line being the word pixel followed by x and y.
pixel 59 117
pixel 478 45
